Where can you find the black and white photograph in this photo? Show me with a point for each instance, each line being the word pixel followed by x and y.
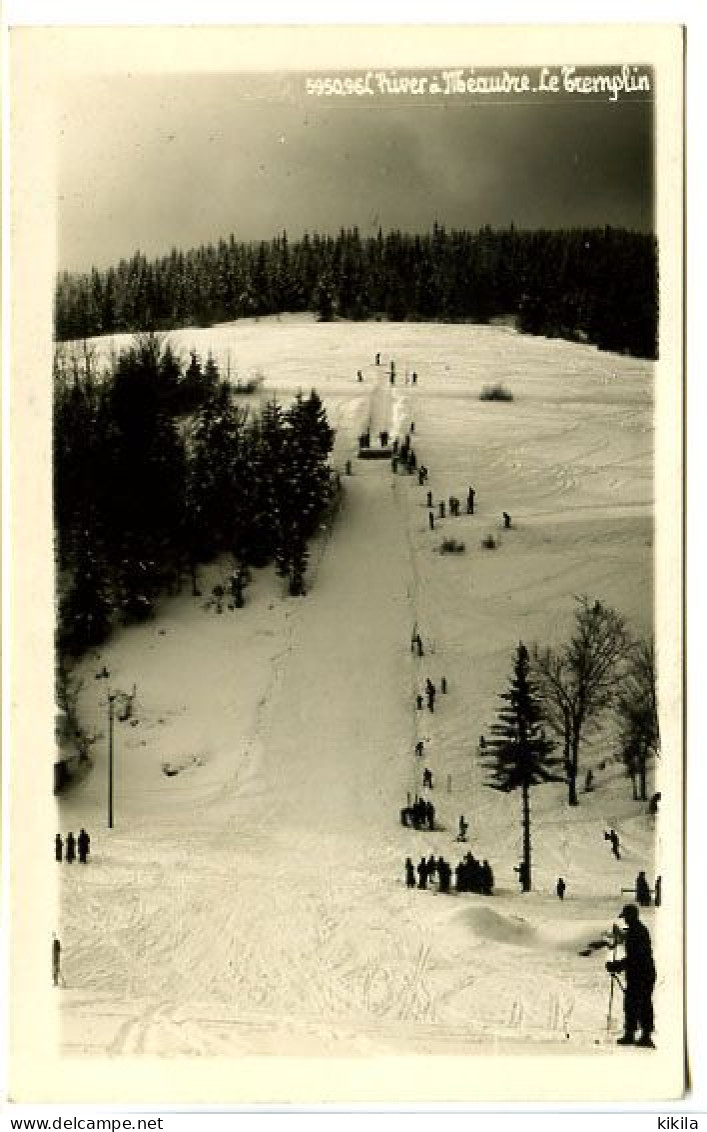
pixel 347 698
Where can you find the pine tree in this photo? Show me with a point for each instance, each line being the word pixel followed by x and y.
pixel 86 611
pixel 519 755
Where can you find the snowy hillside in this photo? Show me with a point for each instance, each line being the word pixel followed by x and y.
pixel 251 898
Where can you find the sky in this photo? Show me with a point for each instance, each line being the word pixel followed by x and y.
pixel 154 163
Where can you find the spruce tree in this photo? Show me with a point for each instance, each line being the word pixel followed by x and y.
pixel 518 754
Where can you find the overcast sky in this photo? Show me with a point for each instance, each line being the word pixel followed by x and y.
pixel 157 163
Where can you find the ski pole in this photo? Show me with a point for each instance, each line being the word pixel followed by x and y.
pixel 614 944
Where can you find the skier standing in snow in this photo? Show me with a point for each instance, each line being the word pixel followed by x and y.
pixel 427 779
pixel 639 969
pixel 463 827
pixel 419 748
pixel 613 837
pixel 409 873
pixel 430 815
pixel 470 496
pixel 431 520
pixel 560 888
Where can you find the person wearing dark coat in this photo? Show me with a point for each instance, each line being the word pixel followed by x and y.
pixel 658 891
pixel 418 702
pixel 429 499
pixel 431 520
pixel 419 748
pixel 70 848
pixel 639 970
pixel 487 879
pixel 442 509
pixel 430 815
pixel 643 892
pixel 409 873
pixel 431 866
pixel 470 495
pixel 422 873
pixel 427 778
pixel 58 847
pixel 56 961
pixel 444 873
pixel 560 888
pixel 84 845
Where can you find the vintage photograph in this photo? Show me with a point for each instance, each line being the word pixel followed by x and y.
pixel 348 384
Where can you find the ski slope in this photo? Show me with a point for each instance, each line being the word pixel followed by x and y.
pixel 252 901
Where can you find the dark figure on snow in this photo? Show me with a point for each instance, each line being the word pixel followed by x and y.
pixel 348 468
pixel 429 815
pixel 443 685
pixel 84 845
pixel 431 520
pixel 640 979
pixel 418 702
pixel 383 438
pixel 654 804
pixel 409 873
pixel 58 847
pixel 482 742
pixel 414 378
pixel 643 892
pixel 431 866
pixel 422 873
pixel 427 778
pixel 470 496
pixel 431 693
pixel 560 888
pixel 613 837
pixel 506 520
pixel 419 748
pixel 56 961
pixel 441 509
pixel 378 359
pixel 589 781
pixel 463 827
pixel 429 499
pixel 420 477
pixel 444 872
pixel 658 891
pixel 70 848
pixel 359 375
pixel 415 642
pixel 394 465
pixel 412 461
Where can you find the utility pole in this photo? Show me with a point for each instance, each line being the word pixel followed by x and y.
pixel 111 702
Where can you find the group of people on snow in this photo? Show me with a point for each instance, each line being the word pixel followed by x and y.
pixel 420 814
pixel 82 843
pixel 470 875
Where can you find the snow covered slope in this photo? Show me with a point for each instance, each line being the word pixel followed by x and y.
pixel 254 901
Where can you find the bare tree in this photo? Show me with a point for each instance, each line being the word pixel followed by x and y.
pixel 637 710
pixel 578 681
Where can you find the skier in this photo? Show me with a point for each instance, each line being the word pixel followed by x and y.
pixel 588 781
pixel 431 867
pixel 613 837
pixel 643 892
pixel 418 702
pixel 422 873
pixel 414 378
pixel 654 804
pixel 56 961
pixel 420 476
pixel 431 520
pixel 470 496
pixel 409 873
pixel 506 520
pixel 419 748
pixel 463 827
pixel 58 847
pixel 70 848
pixel 560 888
pixel 359 375
pixel 378 359
pixel 429 499
pixel 84 845
pixel 443 685
pixel 441 509
pixel 427 778
pixel 417 644
pixel 639 968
